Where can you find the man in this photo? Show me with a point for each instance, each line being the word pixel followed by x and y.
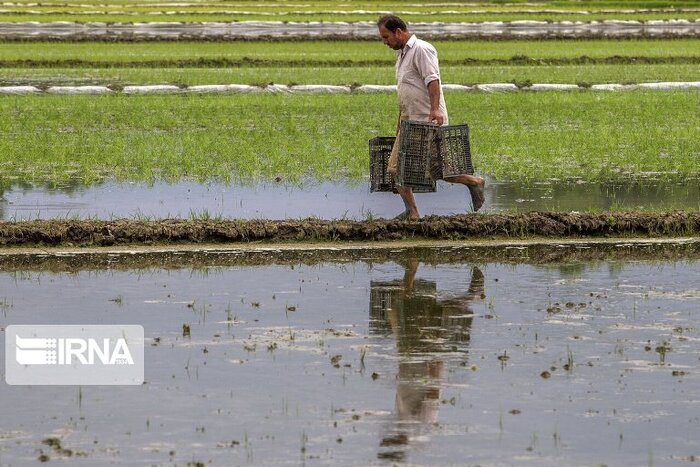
pixel 420 99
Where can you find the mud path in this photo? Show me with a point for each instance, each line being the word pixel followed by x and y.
pixel 468 226
pixel 196 257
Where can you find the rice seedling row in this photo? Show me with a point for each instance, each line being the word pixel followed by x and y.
pixel 340 52
pixel 118 77
pixel 321 62
pixel 517 136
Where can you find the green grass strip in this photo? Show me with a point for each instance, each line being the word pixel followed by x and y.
pixel 515 136
pixel 343 51
pixel 117 77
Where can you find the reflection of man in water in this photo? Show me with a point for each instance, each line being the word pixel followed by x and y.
pixel 425 326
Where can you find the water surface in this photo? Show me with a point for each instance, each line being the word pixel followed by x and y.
pixel 330 200
pixel 398 357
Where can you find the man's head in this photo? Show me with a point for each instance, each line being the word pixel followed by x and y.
pixel 393 31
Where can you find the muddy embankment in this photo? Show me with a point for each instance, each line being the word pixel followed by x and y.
pixel 435 253
pixel 81 233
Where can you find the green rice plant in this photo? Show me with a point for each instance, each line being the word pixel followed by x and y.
pixel 598 137
pixel 469 75
pixel 204 215
pixel 337 53
pixel 523 136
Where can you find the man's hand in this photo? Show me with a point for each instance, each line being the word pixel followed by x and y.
pixel 437 117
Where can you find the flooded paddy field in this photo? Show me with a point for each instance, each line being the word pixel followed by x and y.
pixel 350 199
pixel 530 355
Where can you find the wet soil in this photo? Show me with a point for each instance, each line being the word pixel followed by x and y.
pixel 466 226
pixel 200 257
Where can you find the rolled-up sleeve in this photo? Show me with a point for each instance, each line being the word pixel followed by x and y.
pixel 426 61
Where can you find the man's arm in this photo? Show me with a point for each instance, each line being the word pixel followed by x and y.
pixel 434 93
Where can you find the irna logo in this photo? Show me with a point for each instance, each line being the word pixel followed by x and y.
pixel 74 354
pixel 66 351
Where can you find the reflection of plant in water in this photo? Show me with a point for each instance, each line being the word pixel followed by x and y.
pixel 119 299
pixel 569 365
pixel 572 270
pixel 503 358
pixel 302 448
pixel 533 443
pixel 5 306
pixel 662 349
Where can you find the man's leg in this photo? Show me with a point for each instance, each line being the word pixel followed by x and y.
pixel 406 193
pixel 409 202
pixel 475 185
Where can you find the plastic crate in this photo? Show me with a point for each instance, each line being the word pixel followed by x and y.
pixel 379 179
pixel 379 153
pixel 432 151
pixel 453 151
pixel 416 144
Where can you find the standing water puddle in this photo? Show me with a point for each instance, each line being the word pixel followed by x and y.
pixel 443 357
pixel 329 200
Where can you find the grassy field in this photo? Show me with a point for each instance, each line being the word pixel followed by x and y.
pixel 573 74
pixel 338 52
pixel 321 62
pixel 517 136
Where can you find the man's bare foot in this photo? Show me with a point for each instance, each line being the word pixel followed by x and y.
pixel 406 216
pixel 477 192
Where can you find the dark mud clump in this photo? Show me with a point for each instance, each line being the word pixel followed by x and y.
pixel 522 225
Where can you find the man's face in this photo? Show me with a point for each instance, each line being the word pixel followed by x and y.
pixel 391 39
